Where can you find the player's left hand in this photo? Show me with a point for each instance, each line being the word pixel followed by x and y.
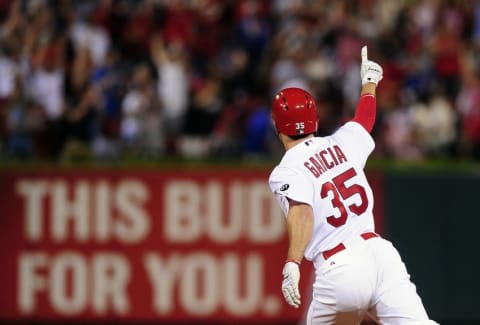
pixel 291 277
pixel 370 72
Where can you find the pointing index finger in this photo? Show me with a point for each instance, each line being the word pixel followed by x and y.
pixel 364 54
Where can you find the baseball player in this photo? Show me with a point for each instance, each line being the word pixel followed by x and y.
pixel 321 187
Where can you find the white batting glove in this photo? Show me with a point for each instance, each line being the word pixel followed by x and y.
pixel 370 71
pixel 291 277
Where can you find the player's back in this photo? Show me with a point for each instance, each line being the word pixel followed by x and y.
pixel 327 173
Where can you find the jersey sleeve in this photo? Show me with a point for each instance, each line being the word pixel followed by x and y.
pixel 357 141
pixel 287 183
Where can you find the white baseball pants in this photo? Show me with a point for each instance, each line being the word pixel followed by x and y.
pixel 368 276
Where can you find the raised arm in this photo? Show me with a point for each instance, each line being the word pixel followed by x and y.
pixel 371 74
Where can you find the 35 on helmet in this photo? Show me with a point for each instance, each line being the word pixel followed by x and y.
pixel 294 112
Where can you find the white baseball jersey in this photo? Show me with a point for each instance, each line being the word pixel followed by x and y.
pixel 327 174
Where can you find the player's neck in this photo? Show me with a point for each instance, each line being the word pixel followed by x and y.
pixel 289 143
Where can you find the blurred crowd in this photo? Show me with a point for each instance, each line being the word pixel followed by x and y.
pixel 194 78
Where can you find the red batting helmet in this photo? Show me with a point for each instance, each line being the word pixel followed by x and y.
pixel 294 112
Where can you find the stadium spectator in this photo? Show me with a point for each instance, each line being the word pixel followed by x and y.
pixel 141 124
pixel 168 77
pixel 172 87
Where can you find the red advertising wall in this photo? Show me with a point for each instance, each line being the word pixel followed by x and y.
pixel 157 245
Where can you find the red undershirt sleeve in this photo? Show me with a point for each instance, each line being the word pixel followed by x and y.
pixel 366 111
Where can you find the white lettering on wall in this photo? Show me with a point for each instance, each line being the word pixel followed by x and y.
pixel 68 266
pixel 222 212
pixel 163 275
pixel 243 299
pixel 68 211
pixel 182 210
pixel 103 211
pixel 72 283
pixel 33 192
pixel 198 288
pixel 263 226
pixel 224 226
pixel 30 282
pixel 85 210
pixel 202 283
pixel 134 222
pixel 111 275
